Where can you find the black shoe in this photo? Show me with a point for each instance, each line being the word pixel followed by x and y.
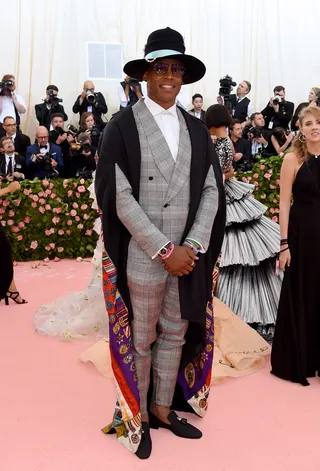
pixel 145 447
pixel 179 426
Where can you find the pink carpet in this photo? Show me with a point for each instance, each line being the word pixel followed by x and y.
pixel 52 407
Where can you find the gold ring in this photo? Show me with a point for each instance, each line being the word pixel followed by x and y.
pixel 192 264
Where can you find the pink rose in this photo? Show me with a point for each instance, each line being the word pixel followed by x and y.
pixel 56 259
pixel 10 222
pixel 57 210
pixel 256 175
pixel 249 178
pixel 27 219
pixel 80 226
pixel 35 198
pixel 272 210
pixel 21 224
pixel 81 189
pixel 48 192
pixel 17 202
pixel 45 183
pixel 51 186
pixel 278 181
pixel 55 220
pixel 77 218
pixel 60 232
pixel 48 207
pixel 88 232
pixel 275 219
pixel 47 232
pixel 244 179
pixel 20 237
pixel 59 200
pixel 42 201
pixel 270 171
pixel 40 194
pixel 65 183
pixel 68 232
pixel 69 222
pixel 272 187
pixel 74 184
pixel 82 181
pixel 75 205
pixel 77 195
pixel 42 210
pixel 256 183
pixel 48 248
pixel 267 175
pixel 52 245
pixel 26 191
pixel 3 223
pixel 11 213
pixel 46 260
pixel 53 195
pixel 85 217
pixel 262 167
pixel 34 204
pixel 60 249
pixel 277 210
pixel 2 211
pixel 69 193
pixel 52 230
pixel 84 207
pixel 275 200
pixel 6 203
pixel 73 212
pixel 15 229
pixel 34 245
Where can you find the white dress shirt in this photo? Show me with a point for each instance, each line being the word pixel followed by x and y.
pixel 8 107
pixel 168 122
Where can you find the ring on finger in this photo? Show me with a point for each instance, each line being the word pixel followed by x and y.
pixel 193 264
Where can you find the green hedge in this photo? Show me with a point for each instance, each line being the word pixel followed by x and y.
pixel 265 175
pixel 50 218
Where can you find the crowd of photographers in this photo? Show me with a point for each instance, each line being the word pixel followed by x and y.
pixel 69 151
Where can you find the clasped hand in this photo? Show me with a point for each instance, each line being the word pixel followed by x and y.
pixel 181 262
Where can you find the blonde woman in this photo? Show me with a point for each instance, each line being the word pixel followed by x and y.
pixel 313 96
pixel 296 346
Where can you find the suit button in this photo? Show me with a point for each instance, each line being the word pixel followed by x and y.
pixel 150 178
pixel 166 205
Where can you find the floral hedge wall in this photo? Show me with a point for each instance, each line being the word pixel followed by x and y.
pixel 50 219
pixel 265 175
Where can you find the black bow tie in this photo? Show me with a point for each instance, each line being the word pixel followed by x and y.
pixel 43 147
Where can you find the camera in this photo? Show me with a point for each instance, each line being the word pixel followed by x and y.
pixel 5 87
pixel 133 82
pixel 85 147
pixel 226 87
pixel 90 96
pixel 72 130
pixel 53 99
pixel 256 132
pixel 85 173
pixel 276 100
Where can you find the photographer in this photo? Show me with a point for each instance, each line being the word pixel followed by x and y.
pixel 12 166
pixel 11 104
pixel 242 159
pixel 92 102
pixel 21 141
pixel 129 92
pixel 51 105
pixel 197 110
pixel 43 160
pixel 240 106
pixel 278 111
pixel 63 139
pixel 82 153
pixel 256 134
pixel 281 141
pixel 88 125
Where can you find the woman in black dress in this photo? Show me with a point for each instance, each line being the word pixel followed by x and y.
pixel 8 287
pixel 296 346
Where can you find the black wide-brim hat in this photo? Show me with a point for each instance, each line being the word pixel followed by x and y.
pixel 165 43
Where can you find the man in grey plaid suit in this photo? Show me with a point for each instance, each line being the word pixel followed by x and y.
pixel 159 198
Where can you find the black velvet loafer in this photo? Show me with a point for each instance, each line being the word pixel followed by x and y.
pixel 178 426
pixel 145 447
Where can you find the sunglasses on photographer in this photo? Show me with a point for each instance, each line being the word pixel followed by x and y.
pixel 161 68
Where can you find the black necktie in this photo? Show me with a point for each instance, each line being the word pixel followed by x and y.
pixel 43 147
pixel 10 169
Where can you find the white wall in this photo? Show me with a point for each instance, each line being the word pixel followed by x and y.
pixel 268 42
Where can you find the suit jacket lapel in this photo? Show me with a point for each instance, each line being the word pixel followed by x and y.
pixel 181 171
pixel 158 145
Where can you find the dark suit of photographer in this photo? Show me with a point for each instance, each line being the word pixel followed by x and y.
pixel 92 102
pixel 63 139
pixel 44 111
pixel 83 157
pixel 242 158
pixel 129 92
pixel 278 112
pixel 44 160
pixel 258 137
pixel 12 165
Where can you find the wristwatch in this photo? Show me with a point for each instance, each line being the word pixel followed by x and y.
pixel 163 252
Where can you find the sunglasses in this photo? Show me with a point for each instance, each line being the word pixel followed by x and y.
pixel 162 68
